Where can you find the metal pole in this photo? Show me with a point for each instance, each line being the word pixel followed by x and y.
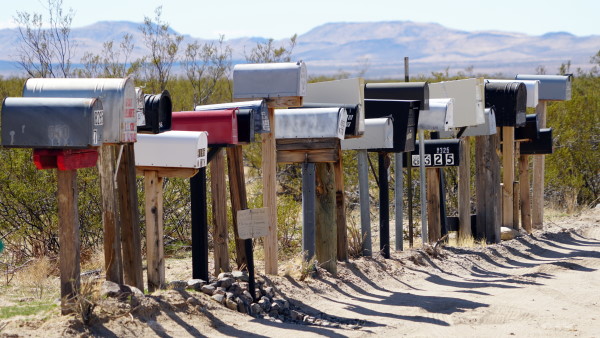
pixel 199 225
pixel 384 205
pixel 308 210
pixel 363 190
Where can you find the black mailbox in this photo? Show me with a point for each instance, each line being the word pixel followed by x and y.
pixel 404 115
pixel 351 109
pixel 542 145
pixel 245 119
pixel 509 101
pixel 438 153
pixel 530 131
pixel 418 91
pixel 158 110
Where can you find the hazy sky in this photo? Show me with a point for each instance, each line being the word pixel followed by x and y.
pixel 280 19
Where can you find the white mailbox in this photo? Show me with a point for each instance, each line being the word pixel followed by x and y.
pixel 266 80
pixel 310 123
pixel 469 100
pixel 346 91
pixel 117 95
pixel 379 134
pixel 439 116
pixel 172 149
pixel 532 87
pixel 552 87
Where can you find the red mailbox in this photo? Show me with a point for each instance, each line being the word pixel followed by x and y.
pixel 64 159
pixel 221 125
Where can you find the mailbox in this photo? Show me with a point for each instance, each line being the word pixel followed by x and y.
pixel 438 117
pixel 157 113
pixel 542 145
pixel 468 98
pixel 346 93
pixel 530 131
pixel 259 109
pixel 418 91
pixel 246 117
pixel 552 87
pixel 485 129
pixel 532 87
pixel 438 153
pixel 52 122
pixel 509 101
pixel 221 125
pixel 117 95
pixel 379 134
pixel 172 149
pixel 310 123
pixel 65 159
pixel 267 80
pixel 404 114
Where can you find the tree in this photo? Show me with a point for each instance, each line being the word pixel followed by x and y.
pixel 267 52
pixel 111 62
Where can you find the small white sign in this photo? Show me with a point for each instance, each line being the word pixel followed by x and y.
pixel 252 223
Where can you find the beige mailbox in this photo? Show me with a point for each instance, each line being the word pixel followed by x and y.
pixel 469 100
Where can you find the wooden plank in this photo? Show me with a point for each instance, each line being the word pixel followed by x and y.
pixel 113 261
pixel 269 173
pixel 199 226
pixel 410 203
pixel 365 203
pixel 340 206
pixel 487 171
pixel 464 189
pixel 237 195
pixel 525 201
pixel 516 204
pixel 326 237
pixel 508 177
pixel 398 201
pixel 69 240
pixel 167 172
pixel 308 210
pixel 433 204
pixel 313 156
pixel 131 241
pixel 424 227
pixel 219 211
pixel 304 144
pixel 155 256
pixel 383 160
pixel 283 102
pixel 537 206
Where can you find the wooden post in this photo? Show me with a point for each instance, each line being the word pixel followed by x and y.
pixel 537 208
pixel 326 237
pixel 384 204
pixel 308 209
pixel 113 261
pixel 237 194
pixel 219 212
pixel 155 255
pixel 410 199
pixel 433 204
pixel 487 185
pixel 508 177
pixel 68 239
pixel 525 202
pixel 398 194
pixel 340 206
pixel 464 189
pixel 199 225
pixel 516 203
pixel 269 166
pixel 365 203
pixel 131 241
pixel 422 187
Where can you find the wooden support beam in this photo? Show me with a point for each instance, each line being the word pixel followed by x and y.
pixel 155 255
pixel 168 172
pixel 398 201
pixel 237 194
pixel 69 240
pixel 326 237
pixel 199 226
pixel 537 207
pixel 516 204
pixel 525 201
pixel 113 261
pixel 269 166
pixel 365 203
pixel 308 210
pixel 464 189
pixel 508 177
pixel 433 204
pixel 487 183
pixel 219 211
pixel 340 206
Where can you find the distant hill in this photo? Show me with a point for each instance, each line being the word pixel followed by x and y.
pixel 377 47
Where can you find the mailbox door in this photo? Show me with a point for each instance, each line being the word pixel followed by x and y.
pixel 404 114
pixel 509 101
pixel 310 123
pixel 265 80
pixel 379 134
pixel 157 113
pixel 438 153
pixel 259 110
pixel 172 149
pixel 540 146
pixel 416 91
pixel 221 125
pixel 468 98
pixel 531 129
pixel 552 87
pixel 351 110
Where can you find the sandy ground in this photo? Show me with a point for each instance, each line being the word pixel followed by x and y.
pixel 546 284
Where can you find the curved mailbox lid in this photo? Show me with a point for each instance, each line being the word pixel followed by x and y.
pixel 259 109
pixel 172 149
pixel 117 95
pixel 439 115
pixel 379 134
pixel 468 95
pixel 531 129
pixel 509 101
pixel 265 80
pixel 532 87
pixel 158 110
pixel 221 125
pixel 418 91
pixel 310 123
pixel 351 110
pixel 29 122
pixel 552 87
pixel 404 114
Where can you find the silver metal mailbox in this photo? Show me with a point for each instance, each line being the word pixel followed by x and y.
pixel 552 87
pixel 439 116
pixel 532 87
pixel 259 107
pixel 52 122
pixel 265 80
pixel 346 91
pixel 310 123
pixel 117 95
pixel 487 128
pixel 379 134
pixel 469 100
pixel 172 149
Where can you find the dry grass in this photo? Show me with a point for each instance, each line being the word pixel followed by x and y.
pixel 299 268
pixel 36 280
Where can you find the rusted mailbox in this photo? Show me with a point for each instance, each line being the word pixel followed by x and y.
pixel 542 145
pixel 259 116
pixel 438 153
pixel 438 117
pixel 221 125
pixel 530 131
pixel 404 114
pixel 267 80
pixel 157 113
pixel 552 87
pixel 117 95
pixel 379 134
pixel 418 91
pixel 532 87
pixel 509 101
pixel 172 149
pixel 468 98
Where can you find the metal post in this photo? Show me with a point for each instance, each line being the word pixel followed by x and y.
pixel 199 226
pixel 384 205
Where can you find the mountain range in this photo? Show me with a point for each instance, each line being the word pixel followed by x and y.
pixel 372 49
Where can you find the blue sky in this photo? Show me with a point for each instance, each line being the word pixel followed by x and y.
pixel 281 19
